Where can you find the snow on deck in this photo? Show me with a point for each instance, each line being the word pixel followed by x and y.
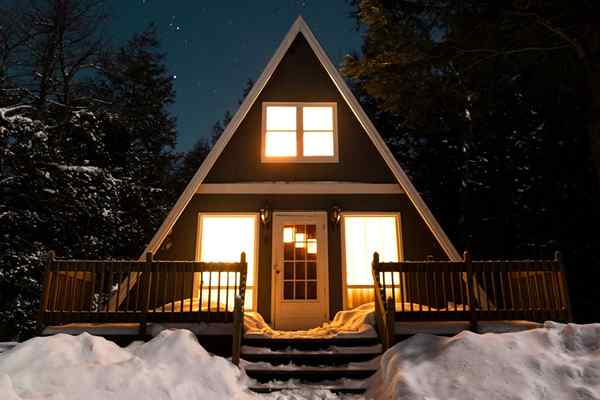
pixel 355 323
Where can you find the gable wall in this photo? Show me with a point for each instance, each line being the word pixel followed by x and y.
pixel 300 78
pixel 417 240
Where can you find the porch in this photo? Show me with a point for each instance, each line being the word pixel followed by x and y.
pixel 137 298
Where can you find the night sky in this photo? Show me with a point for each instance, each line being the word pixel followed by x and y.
pixel 213 47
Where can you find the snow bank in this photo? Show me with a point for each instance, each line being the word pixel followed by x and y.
pixel 554 362
pixel 357 322
pixel 171 366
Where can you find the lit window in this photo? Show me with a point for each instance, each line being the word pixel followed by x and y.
pixel 223 239
pixel 364 235
pixel 302 132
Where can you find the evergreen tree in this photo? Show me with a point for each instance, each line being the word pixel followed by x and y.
pixel 490 107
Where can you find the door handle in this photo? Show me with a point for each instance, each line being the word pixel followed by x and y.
pixel 276 269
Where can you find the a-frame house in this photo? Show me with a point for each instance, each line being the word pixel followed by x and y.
pixel 299 211
pixel 301 181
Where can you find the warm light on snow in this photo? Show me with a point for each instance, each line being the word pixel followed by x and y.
pixel 224 238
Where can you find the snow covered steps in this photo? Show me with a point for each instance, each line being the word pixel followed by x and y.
pixel 338 365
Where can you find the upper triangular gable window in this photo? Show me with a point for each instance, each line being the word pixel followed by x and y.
pixel 299 132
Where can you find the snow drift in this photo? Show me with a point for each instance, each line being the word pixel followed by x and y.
pixel 171 366
pixel 357 322
pixel 555 362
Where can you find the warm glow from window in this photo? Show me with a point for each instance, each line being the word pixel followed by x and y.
pixel 288 234
pixel 365 235
pixel 317 124
pixel 224 238
pixel 318 144
pixel 281 144
pixel 280 137
pixel 301 131
pixel 281 118
pixel 317 118
pixel 300 239
pixel 311 246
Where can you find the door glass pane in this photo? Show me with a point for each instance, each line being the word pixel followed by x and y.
pixel 300 266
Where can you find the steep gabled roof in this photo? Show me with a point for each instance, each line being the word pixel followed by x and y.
pixel 300 27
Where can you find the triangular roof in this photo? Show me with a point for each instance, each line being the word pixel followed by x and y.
pixel 300 27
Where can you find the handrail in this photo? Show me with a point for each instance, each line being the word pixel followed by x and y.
pixel 166 291
pixel 429 290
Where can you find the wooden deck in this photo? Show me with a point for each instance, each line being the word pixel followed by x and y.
pixel 439 297
pixel 468 291
pixel 145 292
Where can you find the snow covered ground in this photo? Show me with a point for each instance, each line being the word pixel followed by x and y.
pixel 554 362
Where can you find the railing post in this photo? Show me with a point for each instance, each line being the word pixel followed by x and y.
pixel 470 290
pixel 563 282
pixel 45 289
pixel 379 304
pixel 390 311
pixel 238 328
pixel 146 294
pixel 243 275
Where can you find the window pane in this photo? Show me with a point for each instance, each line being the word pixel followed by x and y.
pixel 280 144
pixel 364 236
pixel 318 144
pixel 223 240
pixel 280 118
pixel 318 118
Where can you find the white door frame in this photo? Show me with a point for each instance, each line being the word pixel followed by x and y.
pixel 321 216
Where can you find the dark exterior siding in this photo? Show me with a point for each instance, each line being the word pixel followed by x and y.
pixel 300 78
pixel 418 242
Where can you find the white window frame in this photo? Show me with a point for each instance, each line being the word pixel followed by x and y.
pixel 256 217
pixel 400 244
pixel 300 157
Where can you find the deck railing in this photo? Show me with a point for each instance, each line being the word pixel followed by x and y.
pixel 468 291
pixel 145 292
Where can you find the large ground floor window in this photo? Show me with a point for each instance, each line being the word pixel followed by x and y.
pixel 364 234
pixel 222 238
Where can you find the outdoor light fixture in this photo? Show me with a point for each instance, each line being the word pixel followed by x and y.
pixel 265 215
pixel 335 214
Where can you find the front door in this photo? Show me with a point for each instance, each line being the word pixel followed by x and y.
pixel 300 274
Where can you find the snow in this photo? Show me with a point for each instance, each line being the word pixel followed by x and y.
pixel 357 322
pixel 554 362
pixel 171 366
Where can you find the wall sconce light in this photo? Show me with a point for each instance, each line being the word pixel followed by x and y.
pixel 265 215
pixel 335 214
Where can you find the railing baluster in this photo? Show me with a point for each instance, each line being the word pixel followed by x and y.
pixel 209 292
pixel 218 291
pixel 183 272
pixel 128 294
pixel 201 290
pixel 117 269
pixel 227 292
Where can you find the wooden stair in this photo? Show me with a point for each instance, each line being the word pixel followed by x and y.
pixel 340 365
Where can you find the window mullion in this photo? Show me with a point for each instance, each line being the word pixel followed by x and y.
pixel 299 132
